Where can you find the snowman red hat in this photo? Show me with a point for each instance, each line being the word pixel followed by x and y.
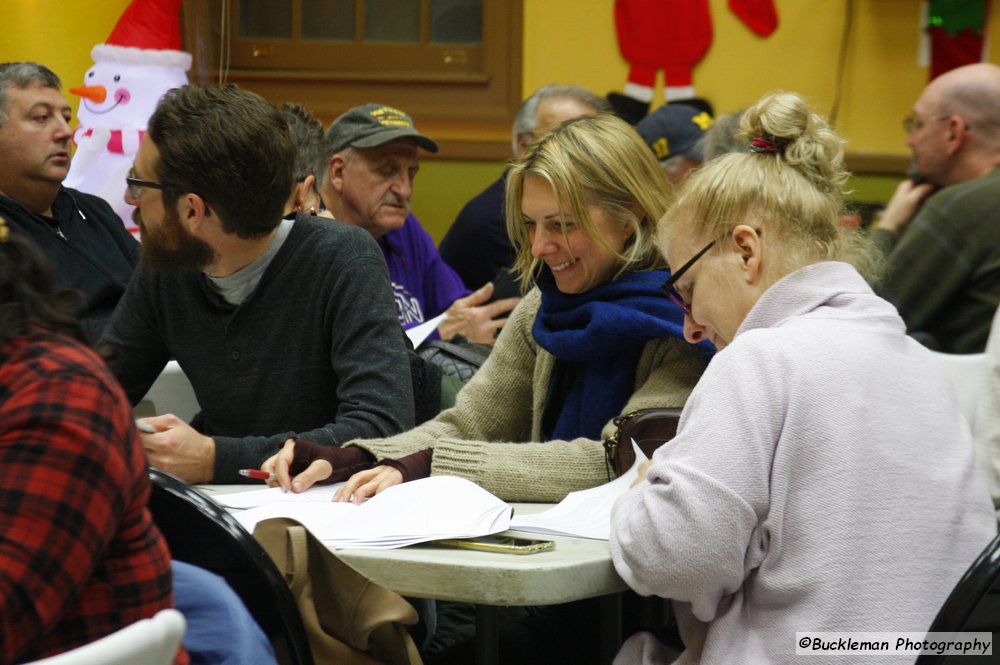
pixel 148 32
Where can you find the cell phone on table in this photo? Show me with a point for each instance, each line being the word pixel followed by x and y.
pixel 499 543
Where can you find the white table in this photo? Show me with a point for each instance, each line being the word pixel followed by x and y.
pixel 576 569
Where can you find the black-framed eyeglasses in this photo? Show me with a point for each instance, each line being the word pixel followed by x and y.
pixel 136 185
pixel 668 286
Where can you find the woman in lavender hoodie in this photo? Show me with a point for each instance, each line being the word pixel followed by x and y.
pixel 822 478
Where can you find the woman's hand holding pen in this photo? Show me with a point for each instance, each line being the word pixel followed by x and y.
pixel 317 464
pixel 280 465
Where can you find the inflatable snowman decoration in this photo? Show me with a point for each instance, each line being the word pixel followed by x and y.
pixel 140 61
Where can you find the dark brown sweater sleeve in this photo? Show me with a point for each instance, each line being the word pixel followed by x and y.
pixel 345 461
pixel 413 466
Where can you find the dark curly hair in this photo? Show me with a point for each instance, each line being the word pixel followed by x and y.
pixel 31 304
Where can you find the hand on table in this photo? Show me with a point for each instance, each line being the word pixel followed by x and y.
pixel 472 317
pixel 281 463
pixel 178 448
pixel 366 484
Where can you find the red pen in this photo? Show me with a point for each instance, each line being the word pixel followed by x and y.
pixel 257 473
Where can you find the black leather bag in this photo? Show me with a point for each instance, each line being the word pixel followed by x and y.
pixel 460 360
pixel 649 428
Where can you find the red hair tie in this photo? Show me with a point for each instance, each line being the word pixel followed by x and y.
pixel 761 144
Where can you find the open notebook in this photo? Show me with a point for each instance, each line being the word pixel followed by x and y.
pixel 428 509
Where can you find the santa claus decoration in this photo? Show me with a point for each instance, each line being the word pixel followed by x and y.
pixel 672 36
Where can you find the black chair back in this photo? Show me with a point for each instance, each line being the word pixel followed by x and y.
pixel 202 533
pixel 972 606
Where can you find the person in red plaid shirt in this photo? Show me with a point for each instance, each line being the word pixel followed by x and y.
pixel 79 555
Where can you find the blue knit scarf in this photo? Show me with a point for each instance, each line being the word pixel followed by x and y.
pixel 602 333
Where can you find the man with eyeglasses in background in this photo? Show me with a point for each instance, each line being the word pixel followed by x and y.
pixel 81 236
pixel 941 229
pixel 285 326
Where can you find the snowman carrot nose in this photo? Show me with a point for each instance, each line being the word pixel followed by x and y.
pixel 95 93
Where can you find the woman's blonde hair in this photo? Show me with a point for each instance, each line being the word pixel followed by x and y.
pixel 791 187
pixel 593 161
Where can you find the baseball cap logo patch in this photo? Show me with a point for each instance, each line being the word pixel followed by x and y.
pixel 703 120
pixel 661 148
pixel 372 125
pixel 388 116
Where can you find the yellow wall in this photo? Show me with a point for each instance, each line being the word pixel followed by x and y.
pixel 443 187
pixel 573 41
pixel 57 33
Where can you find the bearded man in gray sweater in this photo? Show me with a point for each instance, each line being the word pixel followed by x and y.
pixel 285 327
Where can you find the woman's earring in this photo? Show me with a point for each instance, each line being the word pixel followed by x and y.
pixel 312 211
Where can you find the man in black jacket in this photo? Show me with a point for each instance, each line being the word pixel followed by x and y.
pixel 80 234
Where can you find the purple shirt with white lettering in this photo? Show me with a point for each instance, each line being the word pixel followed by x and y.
pixel 422 283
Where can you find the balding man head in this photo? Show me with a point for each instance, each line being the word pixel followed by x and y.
pixel 550 106
pixel 954 129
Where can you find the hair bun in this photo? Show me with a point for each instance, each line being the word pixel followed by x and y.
pixel 784 124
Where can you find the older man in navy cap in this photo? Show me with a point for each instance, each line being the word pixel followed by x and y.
pixel 368 182
pixel 674 133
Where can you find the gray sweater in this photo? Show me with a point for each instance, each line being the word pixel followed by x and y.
pixel 316 350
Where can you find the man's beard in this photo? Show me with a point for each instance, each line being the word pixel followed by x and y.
pixel 169 246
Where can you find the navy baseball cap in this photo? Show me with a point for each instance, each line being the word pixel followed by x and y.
pixel 675 129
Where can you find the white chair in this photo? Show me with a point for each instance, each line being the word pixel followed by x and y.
pixel 170 393
pixel 148 641
pixel 968 373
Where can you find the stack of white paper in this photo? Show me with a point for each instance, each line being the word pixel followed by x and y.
pixel 254 498
pixel 584 514
pixel 415 512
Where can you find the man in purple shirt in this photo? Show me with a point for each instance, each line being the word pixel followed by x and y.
pixel 368 182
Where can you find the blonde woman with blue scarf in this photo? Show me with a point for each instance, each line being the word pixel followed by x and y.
pixel 593 338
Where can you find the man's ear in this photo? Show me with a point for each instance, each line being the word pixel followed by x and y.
pixel 193 211
pixel 335 172
pixel 957 134
pixel 749 249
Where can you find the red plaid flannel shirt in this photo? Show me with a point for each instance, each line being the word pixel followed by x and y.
pixel 79 555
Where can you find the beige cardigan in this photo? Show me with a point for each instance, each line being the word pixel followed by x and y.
pixel 488 438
